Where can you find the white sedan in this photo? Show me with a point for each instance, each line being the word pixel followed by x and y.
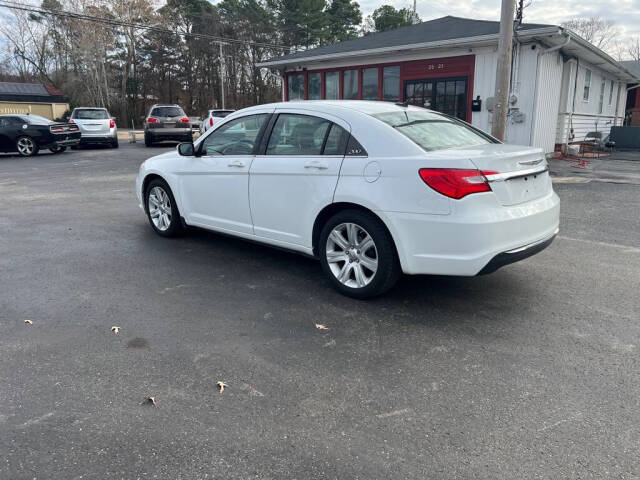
pixel 372 189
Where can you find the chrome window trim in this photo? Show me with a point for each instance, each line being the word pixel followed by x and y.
pixel 500 177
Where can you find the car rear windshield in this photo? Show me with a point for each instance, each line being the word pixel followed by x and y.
pixel 91 114
pixel 221 113
pixel 167 112
pixel 433 131
pixel 36 120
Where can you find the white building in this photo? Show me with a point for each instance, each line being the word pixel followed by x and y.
pixel 562 86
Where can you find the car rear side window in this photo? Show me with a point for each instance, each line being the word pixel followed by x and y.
pixel 433 131
pixel 91 114
pixel 336 141
pixel 354 149
pixel 295 134
pixel 167 112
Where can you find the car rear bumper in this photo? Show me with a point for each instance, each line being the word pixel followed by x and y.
pixel 101 138
pixel 170 133
pixel 478 237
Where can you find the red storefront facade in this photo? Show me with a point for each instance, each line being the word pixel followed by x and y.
pixel 443 84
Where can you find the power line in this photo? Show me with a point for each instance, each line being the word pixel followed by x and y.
pixel 115 23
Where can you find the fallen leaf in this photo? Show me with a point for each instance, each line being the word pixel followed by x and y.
pixel 320 326
pixel 29 322
pixel 115 330
pixel 221 386
pixel 149 401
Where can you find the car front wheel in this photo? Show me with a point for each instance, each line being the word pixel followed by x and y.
pixel 162 210
pixel 57 149
pixel 26 147
pixel 358 255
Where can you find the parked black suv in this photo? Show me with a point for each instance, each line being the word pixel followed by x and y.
pixel 166 122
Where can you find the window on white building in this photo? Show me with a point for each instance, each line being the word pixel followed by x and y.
pixel 611 93
pixel 587 85
pixel 296 86
pixel 601 99
pixel 332 85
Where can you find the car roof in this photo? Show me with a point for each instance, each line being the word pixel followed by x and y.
pixel 338 106
pixel 89 108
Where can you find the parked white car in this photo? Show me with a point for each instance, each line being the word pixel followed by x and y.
pixel 213 117
pixel 96 126
pixel 372 189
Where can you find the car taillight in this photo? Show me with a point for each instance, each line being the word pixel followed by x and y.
pixel 456 183
pixel 211 121
pixel 56 129
pixel 112 123
pixel 152 120
pixel 184 120
pixel 71 120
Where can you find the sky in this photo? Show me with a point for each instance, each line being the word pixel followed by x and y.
pixel 625 13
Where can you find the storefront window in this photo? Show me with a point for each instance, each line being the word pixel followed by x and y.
pixel 350 84
pixel 315 84
pixel 390 83
pixel 370 84
pixel 332 85
pixel 296 86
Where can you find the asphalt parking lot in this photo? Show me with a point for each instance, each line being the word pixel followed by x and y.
pixel 531 372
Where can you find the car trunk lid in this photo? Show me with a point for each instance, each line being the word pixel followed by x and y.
pixel 93 125
pixel 516 174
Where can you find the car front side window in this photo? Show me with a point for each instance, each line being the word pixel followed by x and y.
pixel 238 137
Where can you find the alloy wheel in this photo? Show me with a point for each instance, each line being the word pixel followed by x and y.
pixel 159 206
pixel 352 255
pixel 26 146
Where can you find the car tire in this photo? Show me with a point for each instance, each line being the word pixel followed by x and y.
pixel 167 222
pixel 26 146
pixel 75 147
pixel 114 143
pixel 351 269
pixel 147 140
pixel 57 149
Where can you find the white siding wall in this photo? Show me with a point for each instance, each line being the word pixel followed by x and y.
pixel 523 88
pixel 586 116
pixel 548 91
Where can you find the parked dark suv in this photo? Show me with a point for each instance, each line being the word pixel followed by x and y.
pixel 166 122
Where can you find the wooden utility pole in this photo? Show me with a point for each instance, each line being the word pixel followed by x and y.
pixel 503 73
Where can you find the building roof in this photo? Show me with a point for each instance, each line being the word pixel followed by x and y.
pixel 31 92
pixel 445 28
pixel 633 66
pixel 453 32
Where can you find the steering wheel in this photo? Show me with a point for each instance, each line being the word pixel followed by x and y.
pixel 243 147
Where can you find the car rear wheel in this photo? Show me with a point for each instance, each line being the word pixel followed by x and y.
pixel 26 147
pixel 57 149
pixel 162 210
pixel 114 143
pixel 147 140
pixel 358 255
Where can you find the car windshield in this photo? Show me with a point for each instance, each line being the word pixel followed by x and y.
pixel 35 119
pixel 91 114
pixel 221 113
pixel 433 131
pixel 167 112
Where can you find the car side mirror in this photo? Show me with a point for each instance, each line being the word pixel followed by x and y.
pixel 186 149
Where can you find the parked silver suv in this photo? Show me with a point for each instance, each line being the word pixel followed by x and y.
pixel 96 126
pixel 166 122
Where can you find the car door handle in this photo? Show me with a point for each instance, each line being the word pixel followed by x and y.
pixel 236 163
pixel 316 164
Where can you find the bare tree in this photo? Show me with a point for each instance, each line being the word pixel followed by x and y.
pixel 633 48
pixel 597 31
